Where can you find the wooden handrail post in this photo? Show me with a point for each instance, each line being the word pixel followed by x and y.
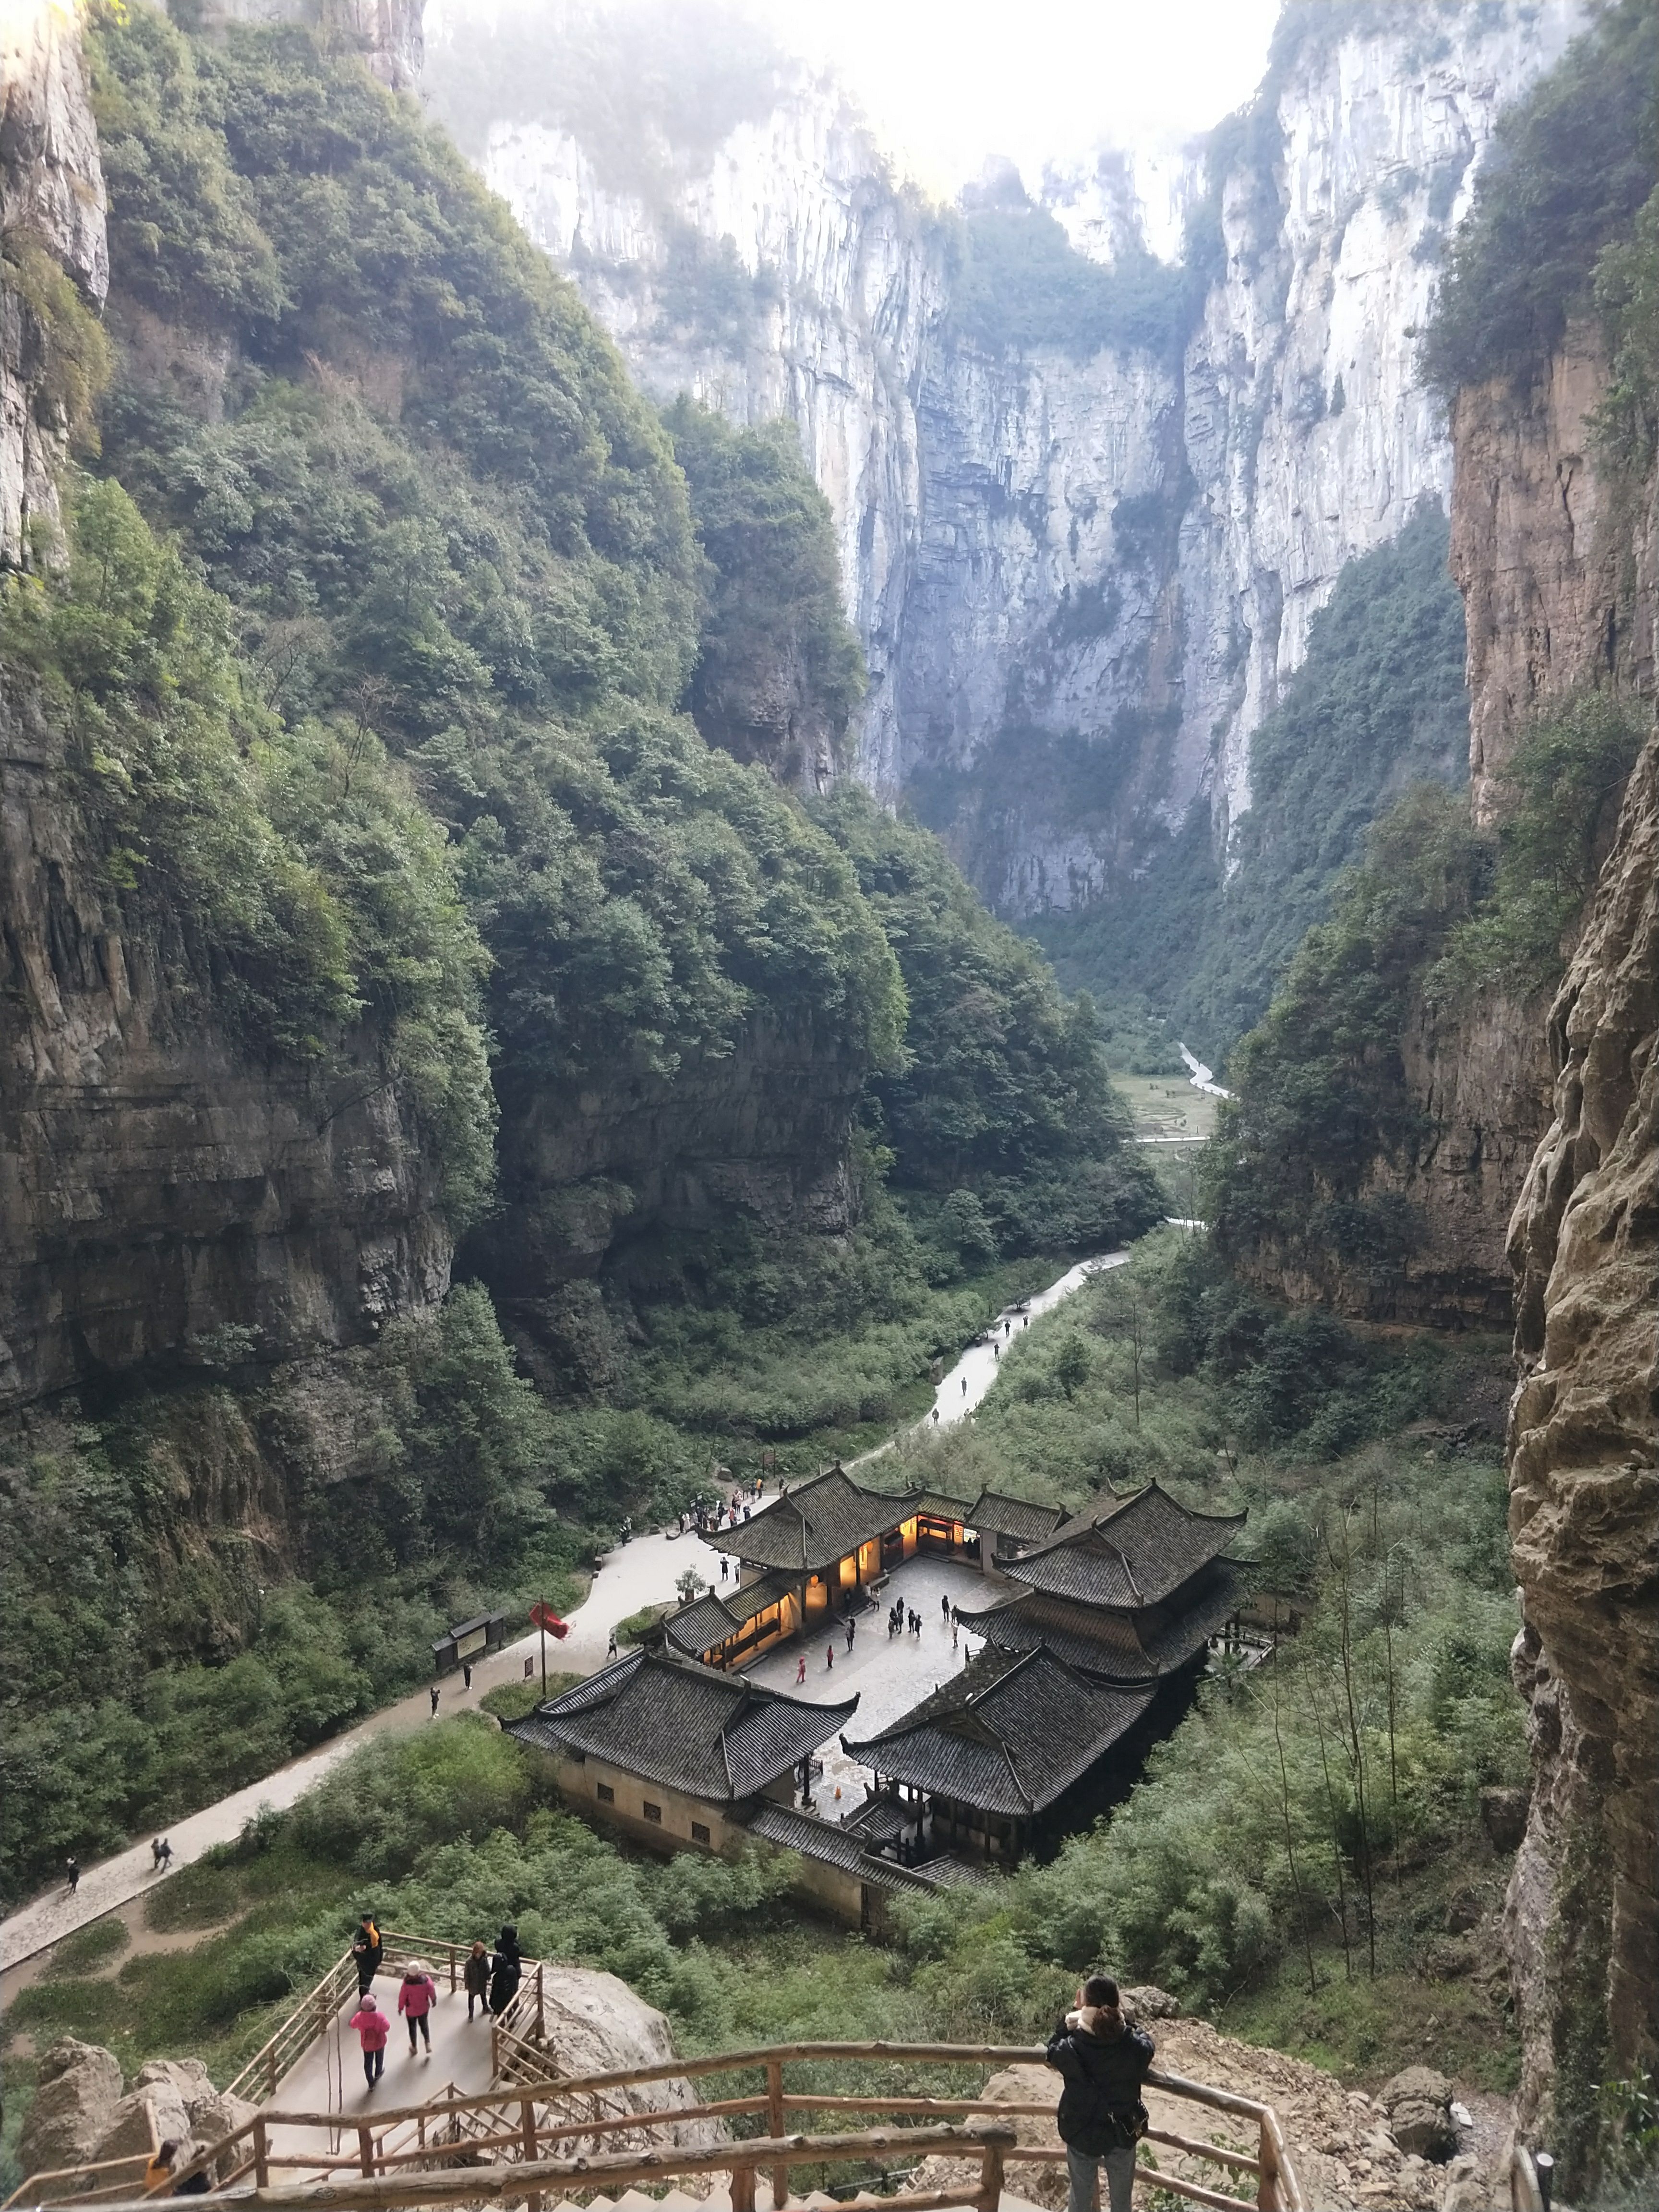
pixel 533 2202
pixel 271 2073
pixel 774 2124
pixel 541 2004
pixel 261 2156
pixel 366 2152
pixel 743 2189
pixel 990 2179
pixel 1267 2188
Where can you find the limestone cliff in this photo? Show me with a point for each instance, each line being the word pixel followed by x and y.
pixel 1080 574
pixel 1559 573
pixel 157 1183
pixel 51 201
pixel 1583 1920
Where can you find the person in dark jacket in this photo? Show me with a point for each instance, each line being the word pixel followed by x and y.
pixel 476 1975
pixel 368 1950
pixel 505 1970
pixel 1103 2058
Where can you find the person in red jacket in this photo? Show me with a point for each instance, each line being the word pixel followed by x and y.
pixel 372 2026
pixel 415 1998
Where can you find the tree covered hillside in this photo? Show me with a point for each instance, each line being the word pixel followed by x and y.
pixel 372 666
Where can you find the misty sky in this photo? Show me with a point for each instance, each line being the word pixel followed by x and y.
pixel 950 82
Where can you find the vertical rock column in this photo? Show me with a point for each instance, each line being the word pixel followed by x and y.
pixel 1583 1916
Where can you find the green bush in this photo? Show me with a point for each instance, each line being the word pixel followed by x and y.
pixel 400 1795
pixel 1568 168
pixel 774 621
pixel 1560 797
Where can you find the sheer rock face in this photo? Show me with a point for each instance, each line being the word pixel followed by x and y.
pixel 388 33
pixel 1583 1920
pixel 1560 581
pixel 1053 677
pixel 761 1134
pixel 156 1182
pixel 51 197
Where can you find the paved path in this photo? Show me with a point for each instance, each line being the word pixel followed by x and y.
pixel 640 1573
pixel 329 2076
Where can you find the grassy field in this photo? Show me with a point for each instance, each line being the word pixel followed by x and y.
pixel 1163 1107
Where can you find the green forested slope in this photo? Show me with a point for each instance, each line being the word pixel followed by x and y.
pixel 1378 703
pixel 385 600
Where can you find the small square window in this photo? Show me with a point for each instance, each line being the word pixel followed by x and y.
pixel 699 1831
pixel 653 1812
pixel 605 1793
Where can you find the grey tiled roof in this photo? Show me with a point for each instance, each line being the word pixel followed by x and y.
pixel 1008 1735
pixel 710 1735
pixel 1130 1553
pixel 1015 1516
pixel 828 1841
pixel 937 1503
pixel 709 1620
pixel 1205 1612
pixel 1088 1637
pixel 814 1524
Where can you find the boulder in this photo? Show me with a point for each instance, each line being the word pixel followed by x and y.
pixel 1504 1817
pixel 1418 2104
pixel 213 2115
pixel 79 2085
pixel 594 2024
pixel 142 2120
pixel 1146 2002
pixel 1462 1912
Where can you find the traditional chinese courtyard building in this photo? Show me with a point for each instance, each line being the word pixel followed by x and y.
pixel 671 1752
pixel 992 1756
pixel 1128 1591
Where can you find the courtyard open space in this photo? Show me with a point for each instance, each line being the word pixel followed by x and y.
pixel 890 1673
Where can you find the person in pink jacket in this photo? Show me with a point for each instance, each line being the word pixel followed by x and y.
pixel 415 1998
pixel 373 2027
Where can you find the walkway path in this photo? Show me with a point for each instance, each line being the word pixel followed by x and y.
pixel 640 1573
pixel 329 2075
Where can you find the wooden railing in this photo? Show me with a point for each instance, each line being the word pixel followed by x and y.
pixel 571 2121
pixel 541 2178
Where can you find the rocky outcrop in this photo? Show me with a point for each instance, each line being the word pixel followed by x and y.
pixel 1558 564
pixel 1338 2138
pixel 1418 2101
pixel 51 203
pixel 388 34
pixel 595 2024
pixel 1080 574
pixel 162 1191
pixel 1583 1920
pixel 761 1132
pixel 77 2087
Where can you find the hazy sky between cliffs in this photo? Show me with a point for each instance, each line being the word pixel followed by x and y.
pixel 950 82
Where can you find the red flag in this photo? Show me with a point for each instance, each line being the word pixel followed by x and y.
pixel 542 1615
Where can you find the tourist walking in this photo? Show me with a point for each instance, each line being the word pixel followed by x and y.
pixel 156 1855
pixel 167 1853
pixel 956 1629
pixel 475 1977
pixel 800 1668
pixel 829 1655
pixel 944 1607
pixel 611 1647
pixel 434 1693
pixel 368 1950
pixel 373 2027
pixel 415 1998
pixel 852 1631
pixel 1102 2059
pixel 466 1675
pixel 504 1970
pixel 72 1874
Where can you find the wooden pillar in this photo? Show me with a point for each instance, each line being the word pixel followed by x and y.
pixel 541 2003
pixel 1267 2193
pixel 743 2189
pixel 528 2109
pixel 990 2179
pixel 366 2152
pixel 261 2154
pixel 775 2122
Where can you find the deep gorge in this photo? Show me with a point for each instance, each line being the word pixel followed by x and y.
pixel 519 720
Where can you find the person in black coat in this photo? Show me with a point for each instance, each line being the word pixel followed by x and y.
pixel 368 1950
pixel 504 1970
pixel 1103 2058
